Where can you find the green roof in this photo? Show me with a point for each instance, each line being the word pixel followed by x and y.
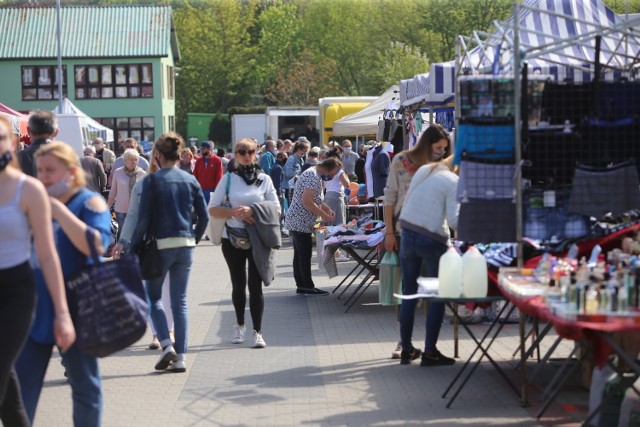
pixel 88 32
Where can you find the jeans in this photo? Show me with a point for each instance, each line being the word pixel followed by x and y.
pixel 237 262
pixel 84 378
pixel 419 253
pixel 120 217
pixel 176 261
pixel 17 302
pixel 207 196
pixel 302 250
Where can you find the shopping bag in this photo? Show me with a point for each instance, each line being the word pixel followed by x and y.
pixel 107 303
pixel 390 279
pixel 149 258
pixel 216 225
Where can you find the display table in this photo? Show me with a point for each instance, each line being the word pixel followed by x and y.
pixel 480 345
pixel 597 333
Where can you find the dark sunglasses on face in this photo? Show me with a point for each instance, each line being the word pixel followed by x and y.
pixel 243 152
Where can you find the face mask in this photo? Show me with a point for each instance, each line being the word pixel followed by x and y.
pixel 325 177
pixel 59 188
pixel 5 159
pixel 205 153
pixel 435 156
pixel 347 150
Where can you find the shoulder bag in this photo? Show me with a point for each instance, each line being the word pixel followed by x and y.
pixel 107 303
pixel 216 225
pixel 147 250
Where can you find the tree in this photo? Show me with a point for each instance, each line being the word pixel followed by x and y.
pixel 220 130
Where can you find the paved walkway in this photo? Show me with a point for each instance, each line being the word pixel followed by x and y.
pixel 321 367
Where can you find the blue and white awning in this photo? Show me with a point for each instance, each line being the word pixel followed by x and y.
pixel 557 38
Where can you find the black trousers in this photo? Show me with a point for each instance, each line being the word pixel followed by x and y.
pixel 17 303
pixel 302 251
pixel 237 262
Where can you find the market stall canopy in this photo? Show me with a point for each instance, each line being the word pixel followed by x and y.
pixel 19 121
pixel 365 121
pixel 556 38
pixel 96 129
pixel 414 91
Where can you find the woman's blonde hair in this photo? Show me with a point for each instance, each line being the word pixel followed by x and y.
pixel 7 124
pixel 188 152
pixel 130 153
pixel 65 155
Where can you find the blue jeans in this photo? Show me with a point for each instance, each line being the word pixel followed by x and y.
pixel 419 253
pixel 84 378
pixel 176 261
pixel 207 196
pixel 120 217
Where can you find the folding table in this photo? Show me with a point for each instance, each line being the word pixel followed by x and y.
pixel 491 334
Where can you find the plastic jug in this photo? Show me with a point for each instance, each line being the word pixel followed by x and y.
pixel 450 274
pixel 474 274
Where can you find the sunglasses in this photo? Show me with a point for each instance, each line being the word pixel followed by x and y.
pixel 243 152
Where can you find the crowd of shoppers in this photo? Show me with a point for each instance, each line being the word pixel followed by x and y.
pixel 280 187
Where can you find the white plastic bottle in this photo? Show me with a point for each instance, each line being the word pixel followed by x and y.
pixel 474 274
pixel 450 274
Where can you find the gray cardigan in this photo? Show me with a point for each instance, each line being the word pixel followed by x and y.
pixel 265 238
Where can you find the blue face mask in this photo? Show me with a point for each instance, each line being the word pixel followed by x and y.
pixel 326 177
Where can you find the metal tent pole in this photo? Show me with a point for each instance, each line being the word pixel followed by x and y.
pixel 59 38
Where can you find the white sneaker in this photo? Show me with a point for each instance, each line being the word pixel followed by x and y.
pixel 259 343
pixel 238 334
pixel 177 366
pixel 168 355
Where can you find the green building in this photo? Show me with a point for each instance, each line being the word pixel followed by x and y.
pixel 118 64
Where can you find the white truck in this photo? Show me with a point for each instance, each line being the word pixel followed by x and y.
pixel 247 126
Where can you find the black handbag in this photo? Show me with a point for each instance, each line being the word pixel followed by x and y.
pixel 239 237
pixel 147 250
pixel 107 303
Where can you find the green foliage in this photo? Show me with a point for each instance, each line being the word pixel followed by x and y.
pixel 220 130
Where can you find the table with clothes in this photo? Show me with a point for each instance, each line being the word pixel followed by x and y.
pixel 360 240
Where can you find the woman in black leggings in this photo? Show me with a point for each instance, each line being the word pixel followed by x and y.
pixel 25 211
pixel 247 188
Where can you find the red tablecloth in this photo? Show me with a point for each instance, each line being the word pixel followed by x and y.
pixel 573 330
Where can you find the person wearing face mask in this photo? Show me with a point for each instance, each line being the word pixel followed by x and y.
pixel 75 210
pixel 25 211
pixel 349 158
pixel 307 204
pixel 432 145
pixel 208 170
pixel 187 162
pixel 429 210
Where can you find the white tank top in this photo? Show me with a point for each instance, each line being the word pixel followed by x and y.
pixel 15 233
pixel 335 184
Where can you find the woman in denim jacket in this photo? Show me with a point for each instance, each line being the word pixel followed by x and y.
pixel 173 193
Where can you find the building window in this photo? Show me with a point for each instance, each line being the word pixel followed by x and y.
pixel 113 81
pixel 170 82
pixel 140 128
pixel 40 82
pixel 172 123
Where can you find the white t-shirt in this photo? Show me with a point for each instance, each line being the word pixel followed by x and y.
pixel 241 194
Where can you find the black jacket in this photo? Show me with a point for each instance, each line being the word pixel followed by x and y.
pixel 27 162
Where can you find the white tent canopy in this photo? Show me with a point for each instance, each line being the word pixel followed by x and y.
pixel 96 128
pixel 365 121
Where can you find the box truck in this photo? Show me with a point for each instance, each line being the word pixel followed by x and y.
pixel 290 122
pixel 248 126
pixel 334 108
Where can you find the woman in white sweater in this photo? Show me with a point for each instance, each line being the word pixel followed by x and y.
pixel 430 208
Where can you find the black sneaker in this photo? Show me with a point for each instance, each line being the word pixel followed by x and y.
pixel 436 359
pixel 312 291
pixel 407 356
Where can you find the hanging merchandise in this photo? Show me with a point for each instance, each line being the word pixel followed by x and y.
pixel 486 180
pixel 487 221
pixel 598 191
pixel 485 142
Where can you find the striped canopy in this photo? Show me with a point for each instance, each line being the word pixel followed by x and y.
pixel 556 38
